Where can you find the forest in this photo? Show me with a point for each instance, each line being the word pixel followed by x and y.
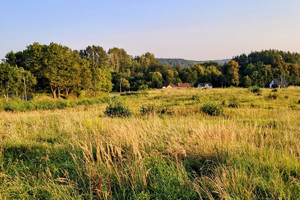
pixel 188 63
pixel 60 70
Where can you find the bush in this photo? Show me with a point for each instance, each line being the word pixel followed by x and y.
pixel 233 103
pixel 45 105
pixel 128 93
pixel 252 105
pixel 20 105
pixel 61 104
pixel 196 98
pixel 255 89
pixel 147 109
pixel 223 103
pixel 151 109
pixel 212 109
pixel 13 106
pixel 272 96
pixel 164 109
pixel 143 87
pixel 117 109
pixel 29 106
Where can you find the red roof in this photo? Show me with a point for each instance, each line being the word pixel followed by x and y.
pixel 184 85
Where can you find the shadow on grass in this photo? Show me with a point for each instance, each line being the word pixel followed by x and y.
pixel 39 169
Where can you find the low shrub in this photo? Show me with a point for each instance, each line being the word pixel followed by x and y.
pixel 143 87
pixel 164 109
pixel 151 109
pixel 13 106
pixel 233 103
pixel 117 109
pixel 253 105
pixel 223 103
pixel 272 96
pixel 61 104
pixel 147 109
pixel 196 98
pixel 212 109
pixel 20 105
pixel 45 105
pixel 255 89
pixel 29 106
pixel 142 93
pixel 128 93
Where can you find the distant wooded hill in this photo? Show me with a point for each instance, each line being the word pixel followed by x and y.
pixel 188 63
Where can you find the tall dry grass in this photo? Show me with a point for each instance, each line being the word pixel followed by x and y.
pixel 252 152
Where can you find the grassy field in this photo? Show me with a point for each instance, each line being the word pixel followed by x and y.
pixel 251 151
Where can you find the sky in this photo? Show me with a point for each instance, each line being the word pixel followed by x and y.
pixel 189 29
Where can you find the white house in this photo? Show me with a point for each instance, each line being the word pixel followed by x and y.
pixel 205 85
pixel 279 82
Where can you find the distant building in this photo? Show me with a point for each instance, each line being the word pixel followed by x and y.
pixel 184 85
pixel 168 86
pixel 279 82
pixel 179 85
pixel 205 85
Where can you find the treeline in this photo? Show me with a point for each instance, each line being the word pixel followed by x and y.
pixel 188 63
pixel 58 69
pixel 178 61
pixel 259 68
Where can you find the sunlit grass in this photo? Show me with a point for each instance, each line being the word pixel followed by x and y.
pixel 249 152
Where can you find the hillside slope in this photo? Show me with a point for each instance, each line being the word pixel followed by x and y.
pixel 188 63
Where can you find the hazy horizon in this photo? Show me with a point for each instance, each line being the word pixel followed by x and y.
pixel 192 30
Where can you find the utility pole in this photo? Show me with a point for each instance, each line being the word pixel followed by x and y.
pixel 25 93
pixel 24 82
pixel 120 86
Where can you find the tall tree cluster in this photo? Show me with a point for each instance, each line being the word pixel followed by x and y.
pixel 99 68
pixel 259 68
pixel 15 80
pixel 58 69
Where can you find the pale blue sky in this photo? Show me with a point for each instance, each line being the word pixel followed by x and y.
pixel 200 30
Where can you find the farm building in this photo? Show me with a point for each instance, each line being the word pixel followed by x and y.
pixel 183 85
pixel 168 86
pixel 179 85
pixel 205 85
pixel 279 82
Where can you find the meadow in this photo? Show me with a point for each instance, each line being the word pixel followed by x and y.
pixel 168 148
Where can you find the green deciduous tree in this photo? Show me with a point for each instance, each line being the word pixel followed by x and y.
pixel 62 69
pixel 120 61
pixel 125 85
pixel 231 72
pixel 156 79
pixel 294 74
pixel 259 73
pixel 9 79
pixel 213 75
pixel 99 67
pixel 247 82
pixel 14 80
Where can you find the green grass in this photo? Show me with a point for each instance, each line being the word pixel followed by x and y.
pixel 251 151
pixel 22 106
